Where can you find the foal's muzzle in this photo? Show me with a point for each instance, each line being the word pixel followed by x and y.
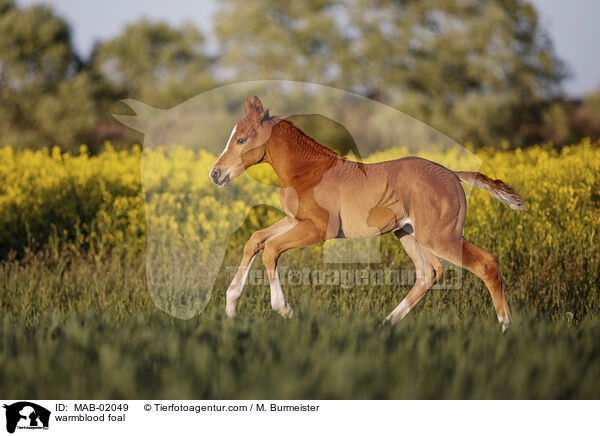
pixel 215 175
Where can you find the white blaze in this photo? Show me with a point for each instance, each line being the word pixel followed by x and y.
pixel 229 140
pixel 226 147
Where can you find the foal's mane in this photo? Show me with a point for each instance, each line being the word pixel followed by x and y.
pixel 305 143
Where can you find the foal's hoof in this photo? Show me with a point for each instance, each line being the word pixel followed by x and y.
pixel 230 311
pixel 287 312
pixel 505 322
pixel 391 320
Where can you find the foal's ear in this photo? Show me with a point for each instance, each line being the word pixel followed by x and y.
pixel 254 110
pixel 258 113
pixel 258 105
pixel 248 107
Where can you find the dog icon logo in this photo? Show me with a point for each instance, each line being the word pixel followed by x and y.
pixel 26 415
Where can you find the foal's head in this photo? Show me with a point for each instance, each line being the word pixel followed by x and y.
pixel 246 145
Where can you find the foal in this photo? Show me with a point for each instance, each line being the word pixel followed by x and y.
pixel 325 196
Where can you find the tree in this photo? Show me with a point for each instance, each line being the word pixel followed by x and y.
pixel 283 40
pixel 46 97
pixel 470 68
pixel 154 62
pixel 585 117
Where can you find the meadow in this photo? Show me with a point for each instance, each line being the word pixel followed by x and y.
pixel 77 319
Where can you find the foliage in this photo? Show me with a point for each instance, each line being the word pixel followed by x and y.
pixel 50 95
pixel 585 118
pixel 470 69
pixel 98 201
pixel 51 197
pixel 46 96
pixel 154 62
pixel 480 72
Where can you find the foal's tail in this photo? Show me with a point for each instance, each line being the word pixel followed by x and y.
pixel 497 188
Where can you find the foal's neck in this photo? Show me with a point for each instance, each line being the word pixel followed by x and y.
pixel 296 157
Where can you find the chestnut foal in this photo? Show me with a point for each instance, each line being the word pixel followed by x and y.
pixel 325 196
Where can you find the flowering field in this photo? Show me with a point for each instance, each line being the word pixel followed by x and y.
pixel 74 300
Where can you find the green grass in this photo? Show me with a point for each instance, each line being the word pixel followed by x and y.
pixel 316 355
pixel 81 326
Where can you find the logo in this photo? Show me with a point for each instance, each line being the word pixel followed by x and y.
pixel 188 247
pixel 26 415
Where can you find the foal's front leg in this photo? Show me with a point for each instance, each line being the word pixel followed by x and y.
pixel 252 247
pixel 302 234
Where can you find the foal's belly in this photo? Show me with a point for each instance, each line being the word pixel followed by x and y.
pixel 366 223
pixel 362 200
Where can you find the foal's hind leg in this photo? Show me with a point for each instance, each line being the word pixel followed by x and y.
pixel 484 265
pixel 428 267
pixel 252 247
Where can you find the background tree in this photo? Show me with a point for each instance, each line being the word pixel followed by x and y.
pixel 46 96
pixel 478 71
pixel 483 72
pixel 154 62
pixel 585 116
pixel 283 40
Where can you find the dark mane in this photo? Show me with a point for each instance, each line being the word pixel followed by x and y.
pixel 266 117
pixel 305 142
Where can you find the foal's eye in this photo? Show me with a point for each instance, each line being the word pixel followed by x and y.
pixel 241 141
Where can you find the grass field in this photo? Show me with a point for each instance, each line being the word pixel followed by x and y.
pixel 77 320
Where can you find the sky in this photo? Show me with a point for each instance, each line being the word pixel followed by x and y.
pixel 572 26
